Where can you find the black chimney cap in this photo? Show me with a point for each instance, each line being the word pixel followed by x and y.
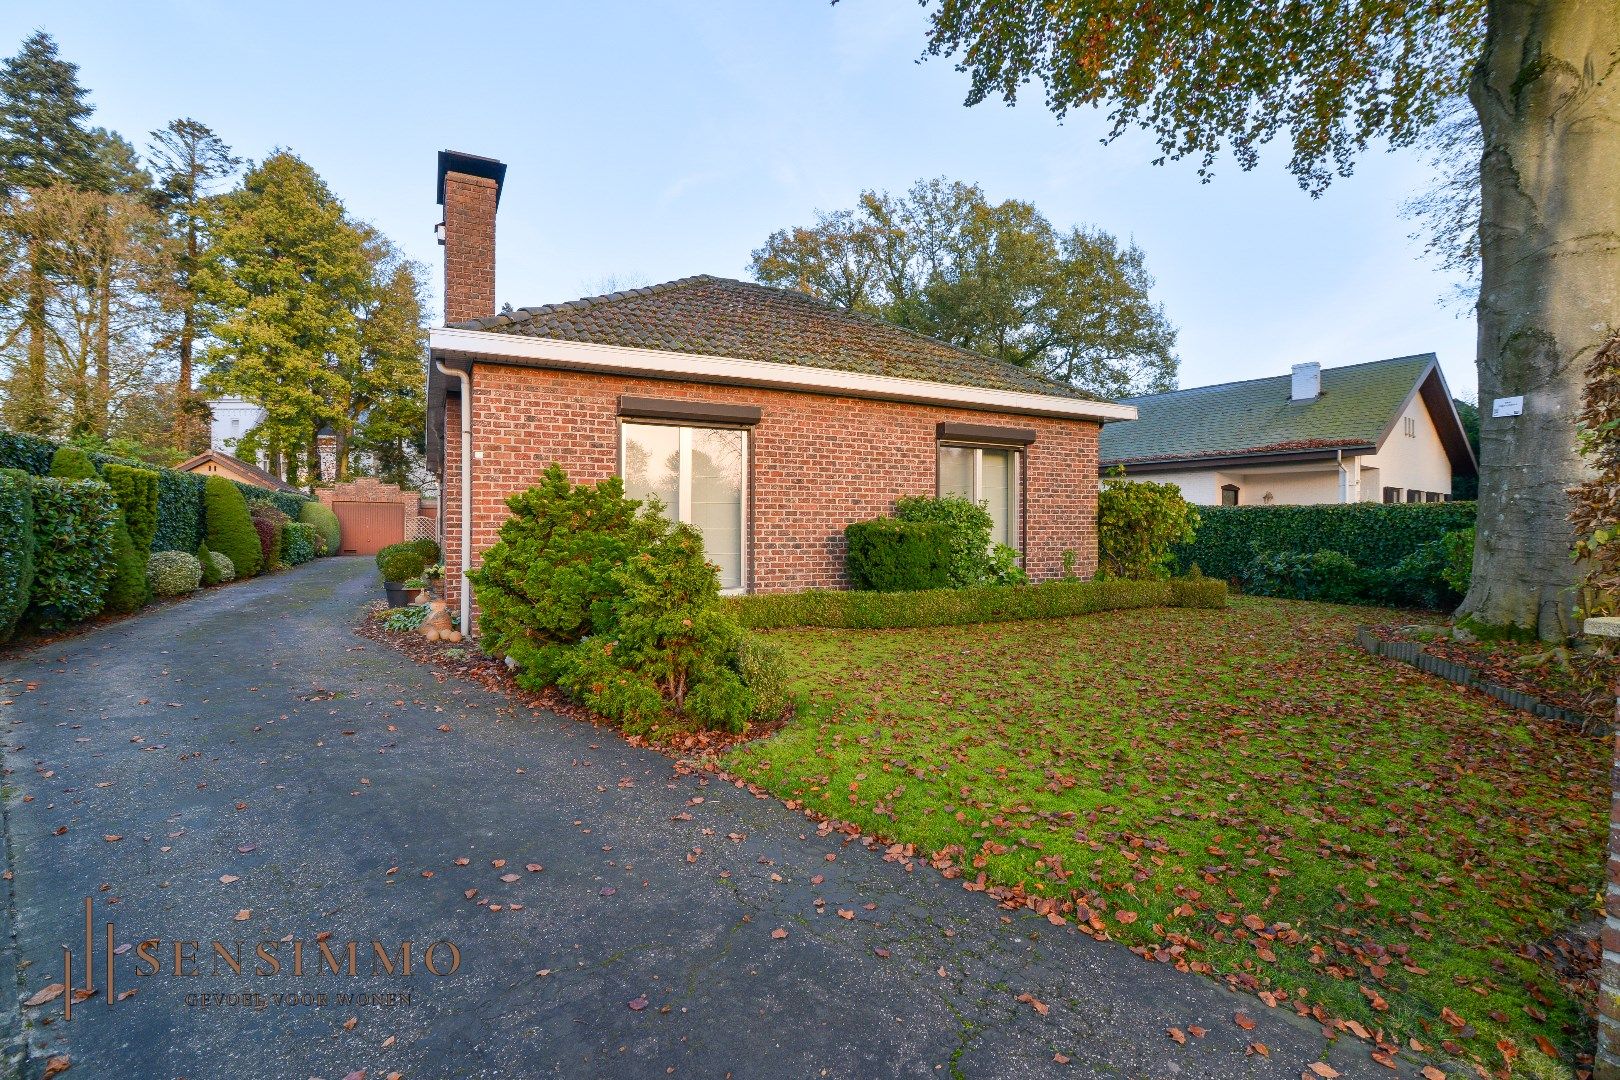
pixel 471 165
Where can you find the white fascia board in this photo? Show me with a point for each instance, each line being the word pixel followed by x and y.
pixel 449 343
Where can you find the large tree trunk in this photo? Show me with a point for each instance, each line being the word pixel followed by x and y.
pixel 101 416
pixel 1548 95
pixel 186 415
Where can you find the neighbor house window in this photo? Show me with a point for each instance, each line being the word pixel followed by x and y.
pixel 987 475
pixel 1229 494
pixel 699 475
pixel 1411 427
pixel 1392 495
pixel 1413 495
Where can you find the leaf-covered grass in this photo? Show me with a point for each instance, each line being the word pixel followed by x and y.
pixel 1242 793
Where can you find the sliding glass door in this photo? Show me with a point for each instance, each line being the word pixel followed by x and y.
pixel 700 476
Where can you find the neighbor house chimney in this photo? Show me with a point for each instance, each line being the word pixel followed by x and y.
pixel 469 191
pixel 1307 382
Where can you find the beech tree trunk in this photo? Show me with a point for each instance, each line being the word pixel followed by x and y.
pixel 1547 91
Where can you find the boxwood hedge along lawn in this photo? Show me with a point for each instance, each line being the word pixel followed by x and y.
pixel 1241 792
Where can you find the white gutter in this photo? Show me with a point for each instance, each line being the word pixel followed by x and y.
pixel 465 625
pixel 697 367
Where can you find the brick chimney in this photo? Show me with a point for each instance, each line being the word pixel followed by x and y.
pixel 469 191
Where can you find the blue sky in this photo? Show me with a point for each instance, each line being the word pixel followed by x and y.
pixel 652 141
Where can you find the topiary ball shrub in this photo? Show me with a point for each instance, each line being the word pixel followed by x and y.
pixel 325 520
pixel 173 573
pixel 399 563
pixel 75 523
pixel 71 463
pixel 267 522
pixel 427 548
pixel 890 555
pixel 298 543
pixel 222 568
pixel 228 528
pixel 16 547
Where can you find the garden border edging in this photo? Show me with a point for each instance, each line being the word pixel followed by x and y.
pixel 1411 653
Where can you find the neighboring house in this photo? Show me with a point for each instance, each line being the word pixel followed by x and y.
pixel 767 419
pixel 235 417
pixel 219 463
pixel 232 419
pixel 1385 431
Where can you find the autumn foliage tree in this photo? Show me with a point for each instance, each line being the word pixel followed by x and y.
pixel 1334 79
pixel 997 278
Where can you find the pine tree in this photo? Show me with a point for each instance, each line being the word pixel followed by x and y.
pixel 282 283
pixel 43 141
pixel 189 159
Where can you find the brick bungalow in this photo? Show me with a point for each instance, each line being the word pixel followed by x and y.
pixel 768 419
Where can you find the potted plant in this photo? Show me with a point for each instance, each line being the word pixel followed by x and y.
pixel 400 566
pixel 435 579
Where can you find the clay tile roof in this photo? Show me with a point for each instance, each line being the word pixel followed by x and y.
pixel 720 317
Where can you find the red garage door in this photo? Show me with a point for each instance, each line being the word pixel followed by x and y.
pixel 369 527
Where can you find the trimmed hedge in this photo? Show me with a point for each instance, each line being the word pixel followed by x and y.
pixel 890 555
pixel 325 520
pixel 1376 535
pixel 29 453
pixel 955 607
pixel 75 522
pixel 180 524
pixel 136 491
pixel 16 547
pixel 180 511
pixel 71 463
pixel 229 529
pixel 298 541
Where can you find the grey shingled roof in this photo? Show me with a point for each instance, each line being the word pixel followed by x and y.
pixel 1357 405
pixel 737 319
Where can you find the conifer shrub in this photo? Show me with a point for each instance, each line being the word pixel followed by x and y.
pixel 228 527
pixel 75 525
pixel 325 520
pixel 16 547
pixel 209 568
pixel 595 593
pixel 136 492
pixel 173 573
pixel 71 463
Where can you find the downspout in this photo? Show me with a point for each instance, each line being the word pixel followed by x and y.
pixel 466 492
pixel 1344 476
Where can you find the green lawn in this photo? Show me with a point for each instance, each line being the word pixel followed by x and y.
pixel 1242 793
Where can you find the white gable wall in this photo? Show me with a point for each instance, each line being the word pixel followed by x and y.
pixel 1415 462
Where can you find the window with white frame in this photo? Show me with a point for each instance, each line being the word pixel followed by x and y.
pixel 986 475
pixel 700 475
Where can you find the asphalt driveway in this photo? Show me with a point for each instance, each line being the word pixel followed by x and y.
pixel 242 768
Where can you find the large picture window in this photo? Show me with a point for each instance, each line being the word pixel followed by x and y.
pixel 700 476
pixel 988 475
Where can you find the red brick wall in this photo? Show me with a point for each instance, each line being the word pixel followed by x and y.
pixel 818 463
pixel 469 246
